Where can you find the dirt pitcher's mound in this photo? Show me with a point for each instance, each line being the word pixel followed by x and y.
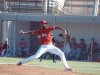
pixel 6 69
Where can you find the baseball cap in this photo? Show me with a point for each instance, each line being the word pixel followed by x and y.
pixel 43 22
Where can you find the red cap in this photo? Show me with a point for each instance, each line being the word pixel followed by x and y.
pixel 43 22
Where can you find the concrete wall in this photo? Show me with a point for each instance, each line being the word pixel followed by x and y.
pixel 80 30
pixel 85 31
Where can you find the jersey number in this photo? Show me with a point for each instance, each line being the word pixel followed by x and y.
pixel 43 35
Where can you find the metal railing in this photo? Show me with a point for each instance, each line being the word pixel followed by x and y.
pixel 25 6
pixel 63 9
pixel 32 6
pixel 55 8
pixel 1 5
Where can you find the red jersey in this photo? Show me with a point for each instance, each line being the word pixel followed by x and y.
pixel 94 45
pixel 5 46
pixel 74 45
pixel 22 43
pixel 44 35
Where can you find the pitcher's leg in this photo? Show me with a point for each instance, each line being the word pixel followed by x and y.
pixel 58 52
pixel 33 57
pixel 41 57
pixel 63 59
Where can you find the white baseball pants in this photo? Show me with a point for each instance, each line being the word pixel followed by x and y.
pixel 48 48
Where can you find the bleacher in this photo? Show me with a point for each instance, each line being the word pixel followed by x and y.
pixel 1 5
pixel 26 6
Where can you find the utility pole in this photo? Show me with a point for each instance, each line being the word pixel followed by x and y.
pixel 45 6
pixel 95 13
pixel 96 7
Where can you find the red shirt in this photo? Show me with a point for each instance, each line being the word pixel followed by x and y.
pixel 82 45
pixel 44 35
pixel 94 45
pixel 5 46
pixel 23 43
pixel 68 38
pixel 0 48
pixel 74 45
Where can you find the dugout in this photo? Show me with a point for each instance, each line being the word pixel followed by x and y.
pixel 76 29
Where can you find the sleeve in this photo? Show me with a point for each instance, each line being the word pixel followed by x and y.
pixel 36 32
pixel 51 28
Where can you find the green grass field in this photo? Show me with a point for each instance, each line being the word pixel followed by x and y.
pixel 79 66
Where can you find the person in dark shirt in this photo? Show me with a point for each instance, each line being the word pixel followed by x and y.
pixel 93 48
pixel 4 48
pixel 1 48
pixel 83 49
pixel 74 50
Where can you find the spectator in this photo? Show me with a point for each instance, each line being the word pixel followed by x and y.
pixel 23 47
pixel 74 53
pixel 60 43
pixel 1 46
pixel 67 37
pixel 83 49
pixel 93 46
pixel 4 48
pixel 66 47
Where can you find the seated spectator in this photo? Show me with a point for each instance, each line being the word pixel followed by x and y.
pixel 4 48
pixel 23 47
pixel 93 46
pixel 74 53
pixel 1 45
pixel 66 47
pixel 61 42
pixel 83 49
pixel 67 38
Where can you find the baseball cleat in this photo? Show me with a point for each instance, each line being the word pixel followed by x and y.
pixel 69 69
pixel 54 61
pixel 19 64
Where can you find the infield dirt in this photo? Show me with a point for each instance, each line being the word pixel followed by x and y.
pixel 9 69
